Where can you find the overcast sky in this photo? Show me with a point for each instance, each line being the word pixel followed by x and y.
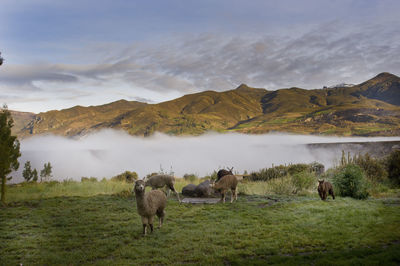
pixel 89 52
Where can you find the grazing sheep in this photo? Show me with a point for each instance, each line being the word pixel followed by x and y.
pixel 160 181
pixel 223 172
pixel 149 204
pixel 225 183
pixel 324 187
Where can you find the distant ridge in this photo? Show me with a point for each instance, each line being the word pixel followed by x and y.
pixel 371 108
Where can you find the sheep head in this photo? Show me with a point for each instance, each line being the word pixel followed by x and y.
pixel 140 186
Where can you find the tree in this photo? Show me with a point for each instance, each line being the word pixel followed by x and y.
pixel 45 173
pixel 27 173
pixel 34 175
pixel 9 150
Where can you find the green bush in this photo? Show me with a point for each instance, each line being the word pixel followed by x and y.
pixel 88 179
pixel 298 168
pixel 393 167
pixel 126 176
pixel 268 173
pixel 374 168
pixel 190 177
pixel 303 181
pixel 350 182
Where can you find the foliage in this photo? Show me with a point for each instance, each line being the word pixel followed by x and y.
pixel 9 149
pixel 268 173
pixel 350 182
pixel 88 179
pixel 28 172
pixel 190 177
pixel 45 173
pixel 317 168
pixel 34 175
pixel 373 168
pixel 126 176
pixel 393 167
pixel 298 168
pixel 303 181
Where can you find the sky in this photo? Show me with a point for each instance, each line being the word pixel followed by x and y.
pixel 63 53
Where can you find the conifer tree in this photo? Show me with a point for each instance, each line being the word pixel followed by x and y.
pixel 9 150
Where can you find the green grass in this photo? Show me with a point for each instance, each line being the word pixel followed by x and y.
pixel 106 229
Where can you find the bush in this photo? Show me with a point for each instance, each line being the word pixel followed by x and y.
pixel 190 177
pixel 393 167
pixel 298 168
pixel 268 173
pixel 282 186
pixel 87 179
pixel 317 168
pixel 350 182
pixel 374 168
pixel 303 181
pixel 126 176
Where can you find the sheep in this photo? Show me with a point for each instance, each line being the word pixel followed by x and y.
pixel 160 181
pixel 225 183
pixel 325 188
pixel 149 204
pixel 223 172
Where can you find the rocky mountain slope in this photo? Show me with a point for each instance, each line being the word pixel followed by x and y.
pixel 371 108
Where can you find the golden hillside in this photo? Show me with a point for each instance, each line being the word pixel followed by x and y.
pixel 371 108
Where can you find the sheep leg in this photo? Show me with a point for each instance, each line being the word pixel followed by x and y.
pixel 144 222
pixel 144 229
pixel 176 192
pixel 233 195
pixel 160 215
pixel 332 194
pixel 223 196
pixel 151 224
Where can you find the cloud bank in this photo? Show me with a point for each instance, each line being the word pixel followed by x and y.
pixel 109 152
pixel 329 54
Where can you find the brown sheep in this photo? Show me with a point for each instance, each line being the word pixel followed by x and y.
pixel 149 204
pixel 160 181
pixel 325 188
pixel 227 182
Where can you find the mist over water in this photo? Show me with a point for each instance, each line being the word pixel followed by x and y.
pixel 110 152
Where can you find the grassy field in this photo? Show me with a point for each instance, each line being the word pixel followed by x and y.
pixel 97 223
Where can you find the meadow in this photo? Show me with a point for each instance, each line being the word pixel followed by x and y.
pixel 97 223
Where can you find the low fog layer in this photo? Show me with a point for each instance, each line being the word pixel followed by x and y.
pixel 110 152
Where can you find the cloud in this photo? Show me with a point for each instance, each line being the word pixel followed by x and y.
pixel 109 152
pixel 328 54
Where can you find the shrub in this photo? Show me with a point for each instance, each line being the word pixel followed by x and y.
pixel 317 168
pixel 393 167
pixel 268 173
pixel 303 181
pixel 298 168
pixel 88 179
pixel 282 186
pixel 350 182
pixel 374 168
pixel 126 176
pixel 190 177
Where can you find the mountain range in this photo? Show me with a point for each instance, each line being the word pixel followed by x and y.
pixel 371 108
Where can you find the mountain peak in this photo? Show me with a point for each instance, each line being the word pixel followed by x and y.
pixel 385 76
pixel 243 87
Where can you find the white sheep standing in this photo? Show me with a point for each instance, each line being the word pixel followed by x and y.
pixel 160 181
pixel 149 204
